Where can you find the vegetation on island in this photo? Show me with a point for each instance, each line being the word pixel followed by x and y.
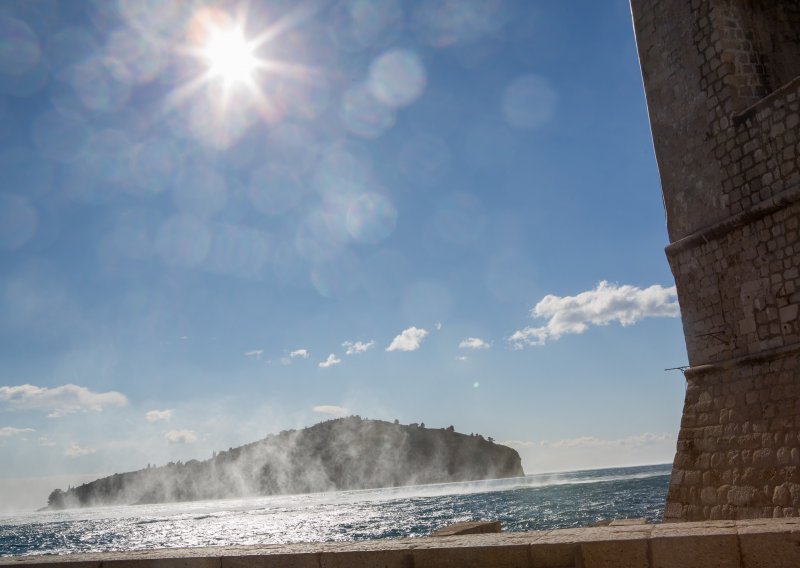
pixel 345 453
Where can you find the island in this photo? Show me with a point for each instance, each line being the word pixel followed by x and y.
pixel 339 454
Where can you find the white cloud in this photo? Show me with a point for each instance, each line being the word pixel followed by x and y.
pixel 409 340
pixel 159 415
pixel 605 304
pixel 254 353
pixel 473 343
pixel 461 357
pixel 357 347
pixel 593 442
pixel 46 442
pixel 75 451
pixel 330 361
pixel 591 452
pixel 180 437
pixel 8 431
pixel 65 399
pixel 438 326
pixel 337 411
pixel 287 360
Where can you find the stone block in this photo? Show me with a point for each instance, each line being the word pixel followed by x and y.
pixel 762 548
pixel 177 561
pixel 615 553
pixel 695 548
pixel 472 557
pixel 468 527
pixel 554 555
pixel 367 559
pixel 628 522
pixel 740 496
pixel 708 495
pixel 299 560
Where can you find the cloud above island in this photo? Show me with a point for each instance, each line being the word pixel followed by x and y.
pixel 330 361
pixel 180 437
pixel 474 343
pixel 357 347
pixel 254 354
pixel 332 410
pixel 585 452
pixel 409 339
pixel 8 431
pixel 61 400
pixel 605 304
pixel 159 415
pixel 75 451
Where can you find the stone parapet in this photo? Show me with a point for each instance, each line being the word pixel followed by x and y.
pixel 773 543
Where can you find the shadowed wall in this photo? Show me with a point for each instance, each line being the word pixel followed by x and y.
pixel 723 93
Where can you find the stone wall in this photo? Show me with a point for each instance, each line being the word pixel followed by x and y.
pixel 735 544
pixel 724 103
pixel 738 449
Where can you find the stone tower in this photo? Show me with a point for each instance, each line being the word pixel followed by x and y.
pixel 722 79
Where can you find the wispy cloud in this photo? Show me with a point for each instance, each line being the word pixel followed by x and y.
pixel 409 340
pixel 46 442
pixel 159 415
pixel 75 451
pixel 354 348
pixel 593 442
pixel 254 353
pixel 605 304
pixel 8 431
pixel 181 437
pixel 461 357
pixel 474 343
pixel 299 353
pixel 62 400
pixel 330 361
pixel 586 442
pixel 337 411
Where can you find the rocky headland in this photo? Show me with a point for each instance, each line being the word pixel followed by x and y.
pixel 345 453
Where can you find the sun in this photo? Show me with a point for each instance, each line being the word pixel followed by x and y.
pixel 229 56
pixel 227 77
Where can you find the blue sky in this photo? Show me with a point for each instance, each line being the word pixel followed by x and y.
pixel 462 194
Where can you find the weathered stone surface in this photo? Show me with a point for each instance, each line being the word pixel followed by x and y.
pixel 722 87
pixel 515 556
pixel 763 549
pixel 613 553
pixel 701 549
pixel 555 555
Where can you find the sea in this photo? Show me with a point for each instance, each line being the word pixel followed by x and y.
pixel 533 502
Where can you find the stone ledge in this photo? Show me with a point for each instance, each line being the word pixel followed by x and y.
pixel 469 527
pixel 740 118
pixel 742 544
pixel 780 200
pixel 697 371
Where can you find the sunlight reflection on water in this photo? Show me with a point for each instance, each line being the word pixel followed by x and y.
pixel 529 503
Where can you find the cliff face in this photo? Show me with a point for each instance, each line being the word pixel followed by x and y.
pixel 347 453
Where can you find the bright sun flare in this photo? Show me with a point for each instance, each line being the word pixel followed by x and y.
pixel 229 67
pixel 230 57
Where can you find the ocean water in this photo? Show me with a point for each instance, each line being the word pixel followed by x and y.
pixel 533 502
